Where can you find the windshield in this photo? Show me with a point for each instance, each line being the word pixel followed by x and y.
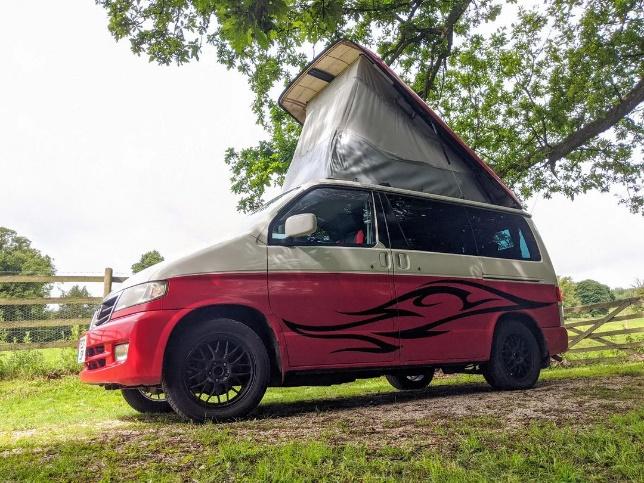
pixel 249 221
pixel 272 201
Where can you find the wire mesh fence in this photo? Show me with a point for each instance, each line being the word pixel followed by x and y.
pixel 40 311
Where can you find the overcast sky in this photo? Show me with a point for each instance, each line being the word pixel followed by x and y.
pixel 104 156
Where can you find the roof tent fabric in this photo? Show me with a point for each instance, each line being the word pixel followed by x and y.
pixel 361 123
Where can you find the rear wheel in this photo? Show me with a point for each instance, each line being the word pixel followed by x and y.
pixel 217 371
pixel 515 359
pixel 410 382
pixel 146 401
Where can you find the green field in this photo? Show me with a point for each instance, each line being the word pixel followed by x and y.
pixel 578 424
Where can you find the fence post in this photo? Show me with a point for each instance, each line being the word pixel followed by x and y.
pixel 107 282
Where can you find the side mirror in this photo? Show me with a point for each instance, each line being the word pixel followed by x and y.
pixel 300 225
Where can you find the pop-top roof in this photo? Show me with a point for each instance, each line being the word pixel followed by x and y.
pixel 326 67
pixel 336 59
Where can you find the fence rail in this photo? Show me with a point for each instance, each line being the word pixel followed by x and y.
pixel 589 330
pixel 585 336
pixel 56 278
pixel 51 301
pixel 64 336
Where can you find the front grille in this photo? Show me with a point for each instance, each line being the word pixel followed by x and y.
pixel 104 312
pixel 94 351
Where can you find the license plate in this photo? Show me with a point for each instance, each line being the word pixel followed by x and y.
pixel 82 344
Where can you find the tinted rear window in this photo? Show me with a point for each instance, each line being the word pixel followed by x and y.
pixel 435 226
pixel 503 235
pixel 430 226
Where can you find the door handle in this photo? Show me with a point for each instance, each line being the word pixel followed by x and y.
pixel 403 261
pixel 385 260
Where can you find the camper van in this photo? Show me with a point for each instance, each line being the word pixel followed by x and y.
pixel 393 251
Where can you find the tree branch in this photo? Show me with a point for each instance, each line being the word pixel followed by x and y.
pixel 604 121
pixel 454 16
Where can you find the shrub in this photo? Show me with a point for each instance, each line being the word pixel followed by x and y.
pixel 29 364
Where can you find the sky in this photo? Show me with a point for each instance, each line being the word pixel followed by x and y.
pixel 104 156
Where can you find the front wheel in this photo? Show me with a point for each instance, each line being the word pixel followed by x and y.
pixel 146 401
pixel 217 371
pixel 410 382
pixel 515 359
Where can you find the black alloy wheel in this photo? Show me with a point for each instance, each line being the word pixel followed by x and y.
pixel 146 400
pixel 219 370
pixel 516 356
pixel 515 359
pixel 411 382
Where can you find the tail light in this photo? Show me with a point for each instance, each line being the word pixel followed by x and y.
pixel 559 296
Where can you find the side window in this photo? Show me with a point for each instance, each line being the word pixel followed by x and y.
pixel 345 217
pixel 431 226
pixel 503 235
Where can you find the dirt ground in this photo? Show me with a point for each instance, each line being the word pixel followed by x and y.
pixel 393 418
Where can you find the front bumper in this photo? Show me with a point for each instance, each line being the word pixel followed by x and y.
pixel 146 333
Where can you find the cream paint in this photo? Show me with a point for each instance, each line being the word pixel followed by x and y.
pixel 248 252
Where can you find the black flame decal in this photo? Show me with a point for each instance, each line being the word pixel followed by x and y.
pixel 384 342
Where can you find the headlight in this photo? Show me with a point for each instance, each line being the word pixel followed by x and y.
pixel 139 294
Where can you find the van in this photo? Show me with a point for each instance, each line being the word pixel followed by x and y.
pixel 329 282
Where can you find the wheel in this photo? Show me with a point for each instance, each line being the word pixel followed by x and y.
pixel 410 382
pixel 217 371
pixel 515 359
pixel 146 401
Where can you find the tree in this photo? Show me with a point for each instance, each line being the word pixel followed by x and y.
pixel 17 256
pixel 70 311
pixel 76 311
pixel 569 291
pixel 635 290
pixel 593 292
pixel 147 260
pixel 551 102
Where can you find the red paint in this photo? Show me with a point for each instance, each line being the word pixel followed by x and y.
pixel 321 300
pixel 317 299
pixel 143 331
pixel 556 339
pixel 468 337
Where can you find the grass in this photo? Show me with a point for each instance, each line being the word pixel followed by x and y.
pixel 64 430
pixel 51 363
pixel 63 404
pixel 544 452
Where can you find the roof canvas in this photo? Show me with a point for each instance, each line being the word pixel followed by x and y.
pixel 362 123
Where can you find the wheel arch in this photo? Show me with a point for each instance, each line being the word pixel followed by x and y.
pixel 244 314
pixel 530 323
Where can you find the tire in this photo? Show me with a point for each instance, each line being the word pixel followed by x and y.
pixel 515 362
pixel 145 401
pixel 217 371
pixel 411 382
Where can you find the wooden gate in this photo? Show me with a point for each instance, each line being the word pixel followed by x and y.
pixel 588 335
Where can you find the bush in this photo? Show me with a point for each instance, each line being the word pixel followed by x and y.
pixel 29 364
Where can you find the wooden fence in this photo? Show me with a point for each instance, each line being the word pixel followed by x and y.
pixel 585 334
pixel 107 280
pixel 580 331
